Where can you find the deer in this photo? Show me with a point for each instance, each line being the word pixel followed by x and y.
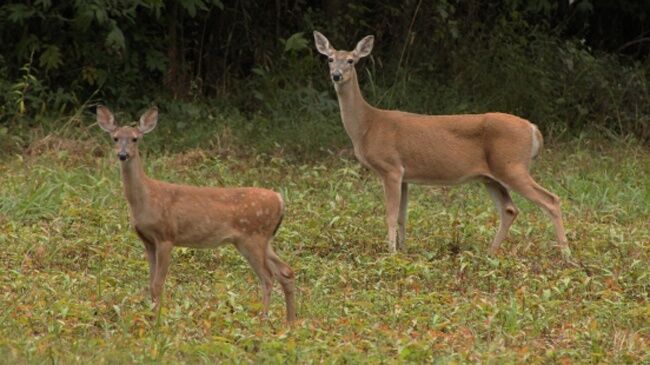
pixel 496 149
pixel 166 215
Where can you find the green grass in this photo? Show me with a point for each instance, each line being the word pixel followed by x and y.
pixel 73 274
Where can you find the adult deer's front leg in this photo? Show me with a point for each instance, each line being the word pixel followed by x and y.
pixel 150 251
pixel 393 193
pixel 163 258
pixel 401 219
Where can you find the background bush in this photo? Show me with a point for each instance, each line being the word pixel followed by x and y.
pixel 568 67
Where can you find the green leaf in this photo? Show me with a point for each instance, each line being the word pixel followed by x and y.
pixel 93 75
pixel 51 58
pixel 585 7
pixel 218 4
pixel 192 6
pixel 44 4
pixel 19 12
pixel 259 71
pixel 100 14
pixel 296 42
pixel 155 60
pixel 115 38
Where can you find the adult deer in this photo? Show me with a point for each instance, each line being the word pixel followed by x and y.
pixel 166 215
pixel 402 148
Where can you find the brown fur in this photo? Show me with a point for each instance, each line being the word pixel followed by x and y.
pixel 402 148
pixel 166 215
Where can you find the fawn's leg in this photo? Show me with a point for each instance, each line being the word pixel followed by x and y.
pixel 254 250
pixel 285 276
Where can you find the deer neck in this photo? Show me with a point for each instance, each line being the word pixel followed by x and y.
pixel 353 107
pixel 135 185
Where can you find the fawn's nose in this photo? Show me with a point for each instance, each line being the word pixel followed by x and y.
pixel 122 156
pixel 336 76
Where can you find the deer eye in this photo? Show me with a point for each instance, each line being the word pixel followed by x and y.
pixel 115 139
pixel 135 139
pixel 330 60
pixel 350 61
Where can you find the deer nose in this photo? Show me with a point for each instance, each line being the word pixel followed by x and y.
pixel 123 156
pixel 336 77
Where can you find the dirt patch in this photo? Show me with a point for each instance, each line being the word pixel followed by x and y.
pixel 224 146
pixel 70 149
pixel 189 158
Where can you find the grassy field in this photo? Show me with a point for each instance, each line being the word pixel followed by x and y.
pixel 73 274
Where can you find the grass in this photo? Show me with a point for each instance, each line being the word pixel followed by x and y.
pixel 73 274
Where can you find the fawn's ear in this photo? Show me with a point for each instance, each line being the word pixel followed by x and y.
pixel 148 120
pixel 105 119
pixel 322 44
pixel 364 47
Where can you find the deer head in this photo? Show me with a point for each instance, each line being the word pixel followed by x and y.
pixel 126 138
pixel 342 63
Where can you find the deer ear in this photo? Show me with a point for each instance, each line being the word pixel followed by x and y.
pixel 322 44
pixel 148 120
pixel 364 47
pixel 105 119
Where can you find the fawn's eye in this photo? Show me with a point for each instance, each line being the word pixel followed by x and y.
pixel 350 61
pixel 135 140
pixel 115 139
pixel 330 59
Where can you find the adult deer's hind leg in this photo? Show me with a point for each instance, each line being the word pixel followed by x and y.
pixel 401 219
pixel 507 211
pixel 525 185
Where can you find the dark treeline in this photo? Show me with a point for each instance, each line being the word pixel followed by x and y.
pixel 563 63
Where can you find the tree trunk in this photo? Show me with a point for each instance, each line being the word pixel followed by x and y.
pixel 173 79
pixel 332 8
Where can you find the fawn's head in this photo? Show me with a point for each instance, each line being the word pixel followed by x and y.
pixel 342 62
pixel 126 138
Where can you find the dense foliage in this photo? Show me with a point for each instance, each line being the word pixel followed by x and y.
pixel 567 66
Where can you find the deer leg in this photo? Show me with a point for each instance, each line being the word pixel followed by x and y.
pixel 254 250
pixel 401 219
pixel 549 202
pixel 163 259
pixel 392 192
pixel 285 276
pixel 150 251
pixel 506 208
